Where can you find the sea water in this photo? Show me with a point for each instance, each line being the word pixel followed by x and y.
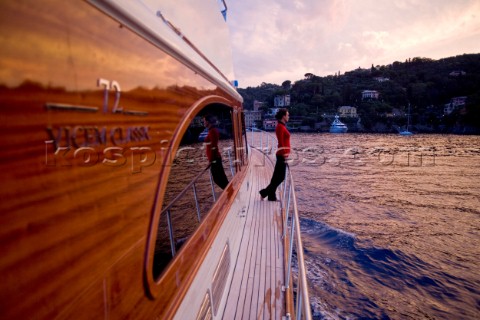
pixel 390 224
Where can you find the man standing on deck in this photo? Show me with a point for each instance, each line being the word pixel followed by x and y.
pixel 283 137
pixel 213 155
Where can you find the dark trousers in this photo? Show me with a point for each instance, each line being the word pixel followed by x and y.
pixel 277 177
pixel 218 173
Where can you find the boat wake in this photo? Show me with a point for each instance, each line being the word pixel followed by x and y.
pixel 352 279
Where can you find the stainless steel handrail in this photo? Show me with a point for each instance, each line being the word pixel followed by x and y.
pixel 167 212
pixel 302 307
pixel 180 195
pixel 271 142
pixel 167 209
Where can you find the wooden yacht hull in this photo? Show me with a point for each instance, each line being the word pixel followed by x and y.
pixel 92 111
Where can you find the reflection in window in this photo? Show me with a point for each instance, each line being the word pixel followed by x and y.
pixel 190 191
pixel 245 141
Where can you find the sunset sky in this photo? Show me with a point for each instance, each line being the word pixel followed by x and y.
pixel 278 40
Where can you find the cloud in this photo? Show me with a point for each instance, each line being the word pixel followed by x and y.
pixel 280 40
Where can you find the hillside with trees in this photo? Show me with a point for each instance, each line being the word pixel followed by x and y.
pixel 426 85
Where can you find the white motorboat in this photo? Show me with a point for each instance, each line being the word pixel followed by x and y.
pixel 203 135
pixel 337 126
pixel 405 133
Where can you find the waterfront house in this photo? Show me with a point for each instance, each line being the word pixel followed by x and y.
pixel 269 124
pixel 252 118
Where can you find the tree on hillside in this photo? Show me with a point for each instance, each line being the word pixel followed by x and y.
pixel 425 83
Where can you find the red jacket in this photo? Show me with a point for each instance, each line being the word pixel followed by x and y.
pixel 211 142
pixel 283 137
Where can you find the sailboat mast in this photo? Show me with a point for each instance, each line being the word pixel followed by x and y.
pixel 408 117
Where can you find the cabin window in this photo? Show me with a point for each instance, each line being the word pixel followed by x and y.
pixel 191 190
pixel 244 154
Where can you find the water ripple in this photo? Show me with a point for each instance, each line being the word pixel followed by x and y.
pixel 391 226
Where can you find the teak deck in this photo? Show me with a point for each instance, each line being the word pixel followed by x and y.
pixel 256 289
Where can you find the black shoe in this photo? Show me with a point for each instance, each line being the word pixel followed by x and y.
pixel 263 193
pixel 272 198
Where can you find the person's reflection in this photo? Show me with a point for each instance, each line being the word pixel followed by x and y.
pixel 213 153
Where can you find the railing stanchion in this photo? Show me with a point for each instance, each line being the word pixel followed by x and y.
pixel 196 202
pixel 166 210
pixel 213 188
pixel 170 233
pixel 253 138
pixel 285 184
pixel 287 210
pixel 261 140
pixel 299 304
pixel 230 159
pixel 290 254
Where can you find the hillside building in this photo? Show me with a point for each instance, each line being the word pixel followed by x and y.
pixel 454 103
pixel 370 94
pixel 257 105
pixel 281 101
pixel 381 79
pixel 347 112
pixel 457 73
pixel 253 118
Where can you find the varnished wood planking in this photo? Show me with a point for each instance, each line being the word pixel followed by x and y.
pixel 233 292
pixel 73 238
pixel 73 198
pixel 256 286
pixel 236 294
pixel 63 268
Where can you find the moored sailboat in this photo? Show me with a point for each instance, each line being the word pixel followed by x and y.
pixel 407 132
